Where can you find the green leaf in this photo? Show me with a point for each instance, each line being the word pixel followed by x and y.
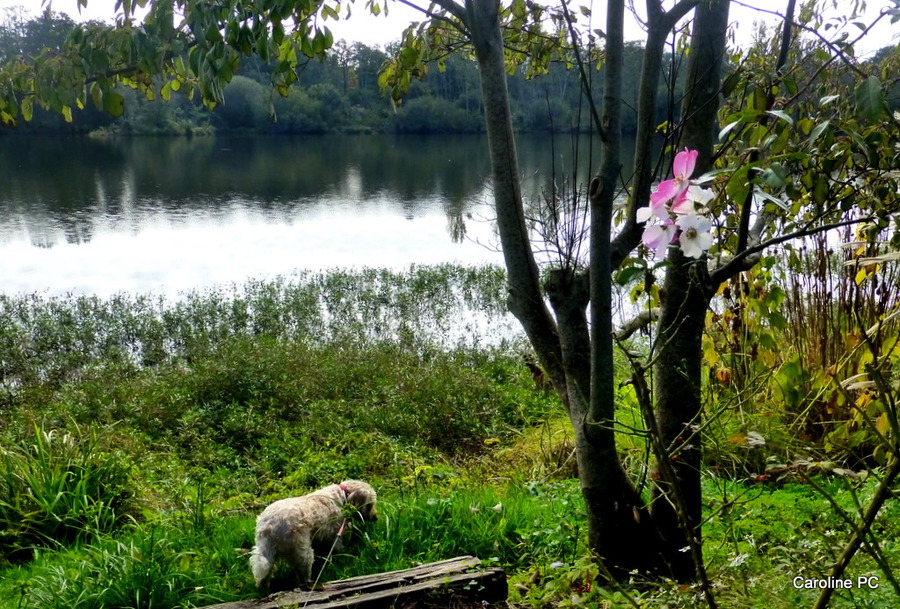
pixel 114 103
pixel 816 132
pixel 329 13
pixel 731 83
pixel 96 92
pixel 820 190
pixel 27 108
pixel 727 129
pixel 738 186
pixel 776 176
pixel 627 275
pixel 782 115
pixel 870 103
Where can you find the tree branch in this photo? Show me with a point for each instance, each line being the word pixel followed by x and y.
pixel 747 205
pixel 449 6
pixel 585 82
pixel 739 262
pixel 639 322
pixel 659 24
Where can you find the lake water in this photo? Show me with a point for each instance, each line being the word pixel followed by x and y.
pixel 168 215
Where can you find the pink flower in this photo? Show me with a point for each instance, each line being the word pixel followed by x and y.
pixel 657 208
pixel 684 163
pixel 688 201
pixel 682 167
pixel 658 236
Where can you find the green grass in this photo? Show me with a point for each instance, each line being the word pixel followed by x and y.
pixel 185 558
pixel 57 489
pixel 141 438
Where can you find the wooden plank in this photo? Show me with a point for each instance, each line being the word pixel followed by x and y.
pixel 433 582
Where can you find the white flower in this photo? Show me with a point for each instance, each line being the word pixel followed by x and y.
pixel 692 198
pixel 695 236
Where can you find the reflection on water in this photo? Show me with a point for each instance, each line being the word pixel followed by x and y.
pixel 173 214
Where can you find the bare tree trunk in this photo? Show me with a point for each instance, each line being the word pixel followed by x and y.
pixel 687 294
pixel 619 530
pixel 580 364
pixel 525 299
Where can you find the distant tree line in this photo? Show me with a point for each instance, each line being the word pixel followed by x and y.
pixel 342 94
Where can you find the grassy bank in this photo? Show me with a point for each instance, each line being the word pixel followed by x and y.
pixel 140 438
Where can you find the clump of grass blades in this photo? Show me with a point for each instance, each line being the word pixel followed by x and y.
pixel 276 409
pixel 514 527
pixel 151 567
pixel 58 489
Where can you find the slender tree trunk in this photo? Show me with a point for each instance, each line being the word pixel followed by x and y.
pixel 579 361
pixel 687 293
pixel 619 530
pixel 525 299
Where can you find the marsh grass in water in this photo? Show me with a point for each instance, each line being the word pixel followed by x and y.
pixel 51 339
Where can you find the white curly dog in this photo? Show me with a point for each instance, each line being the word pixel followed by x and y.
pixel 298 528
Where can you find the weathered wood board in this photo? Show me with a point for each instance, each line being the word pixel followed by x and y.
pixel 454 578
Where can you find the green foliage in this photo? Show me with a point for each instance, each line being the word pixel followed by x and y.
pixel 56 488
pixel 435 115
pixel 420 306
pixel 263 414
pixel 791 334
pixel 337 93
pixel 289 384
pixel 181 561
pixel 198 55
pixel 148 566
pixel 244 104
pixel 513 528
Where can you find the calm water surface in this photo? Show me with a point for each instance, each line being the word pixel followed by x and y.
pixel 168 215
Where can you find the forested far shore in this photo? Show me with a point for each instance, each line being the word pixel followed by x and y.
pixel 338 95
pixel 342 95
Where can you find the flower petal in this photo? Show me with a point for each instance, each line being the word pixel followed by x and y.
pixel 658 237
pixel 695 237
pixel 665 191
pixel 689 247
pixel 701 224
pixel 684 163
pixel 683 205
pixel 699 195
